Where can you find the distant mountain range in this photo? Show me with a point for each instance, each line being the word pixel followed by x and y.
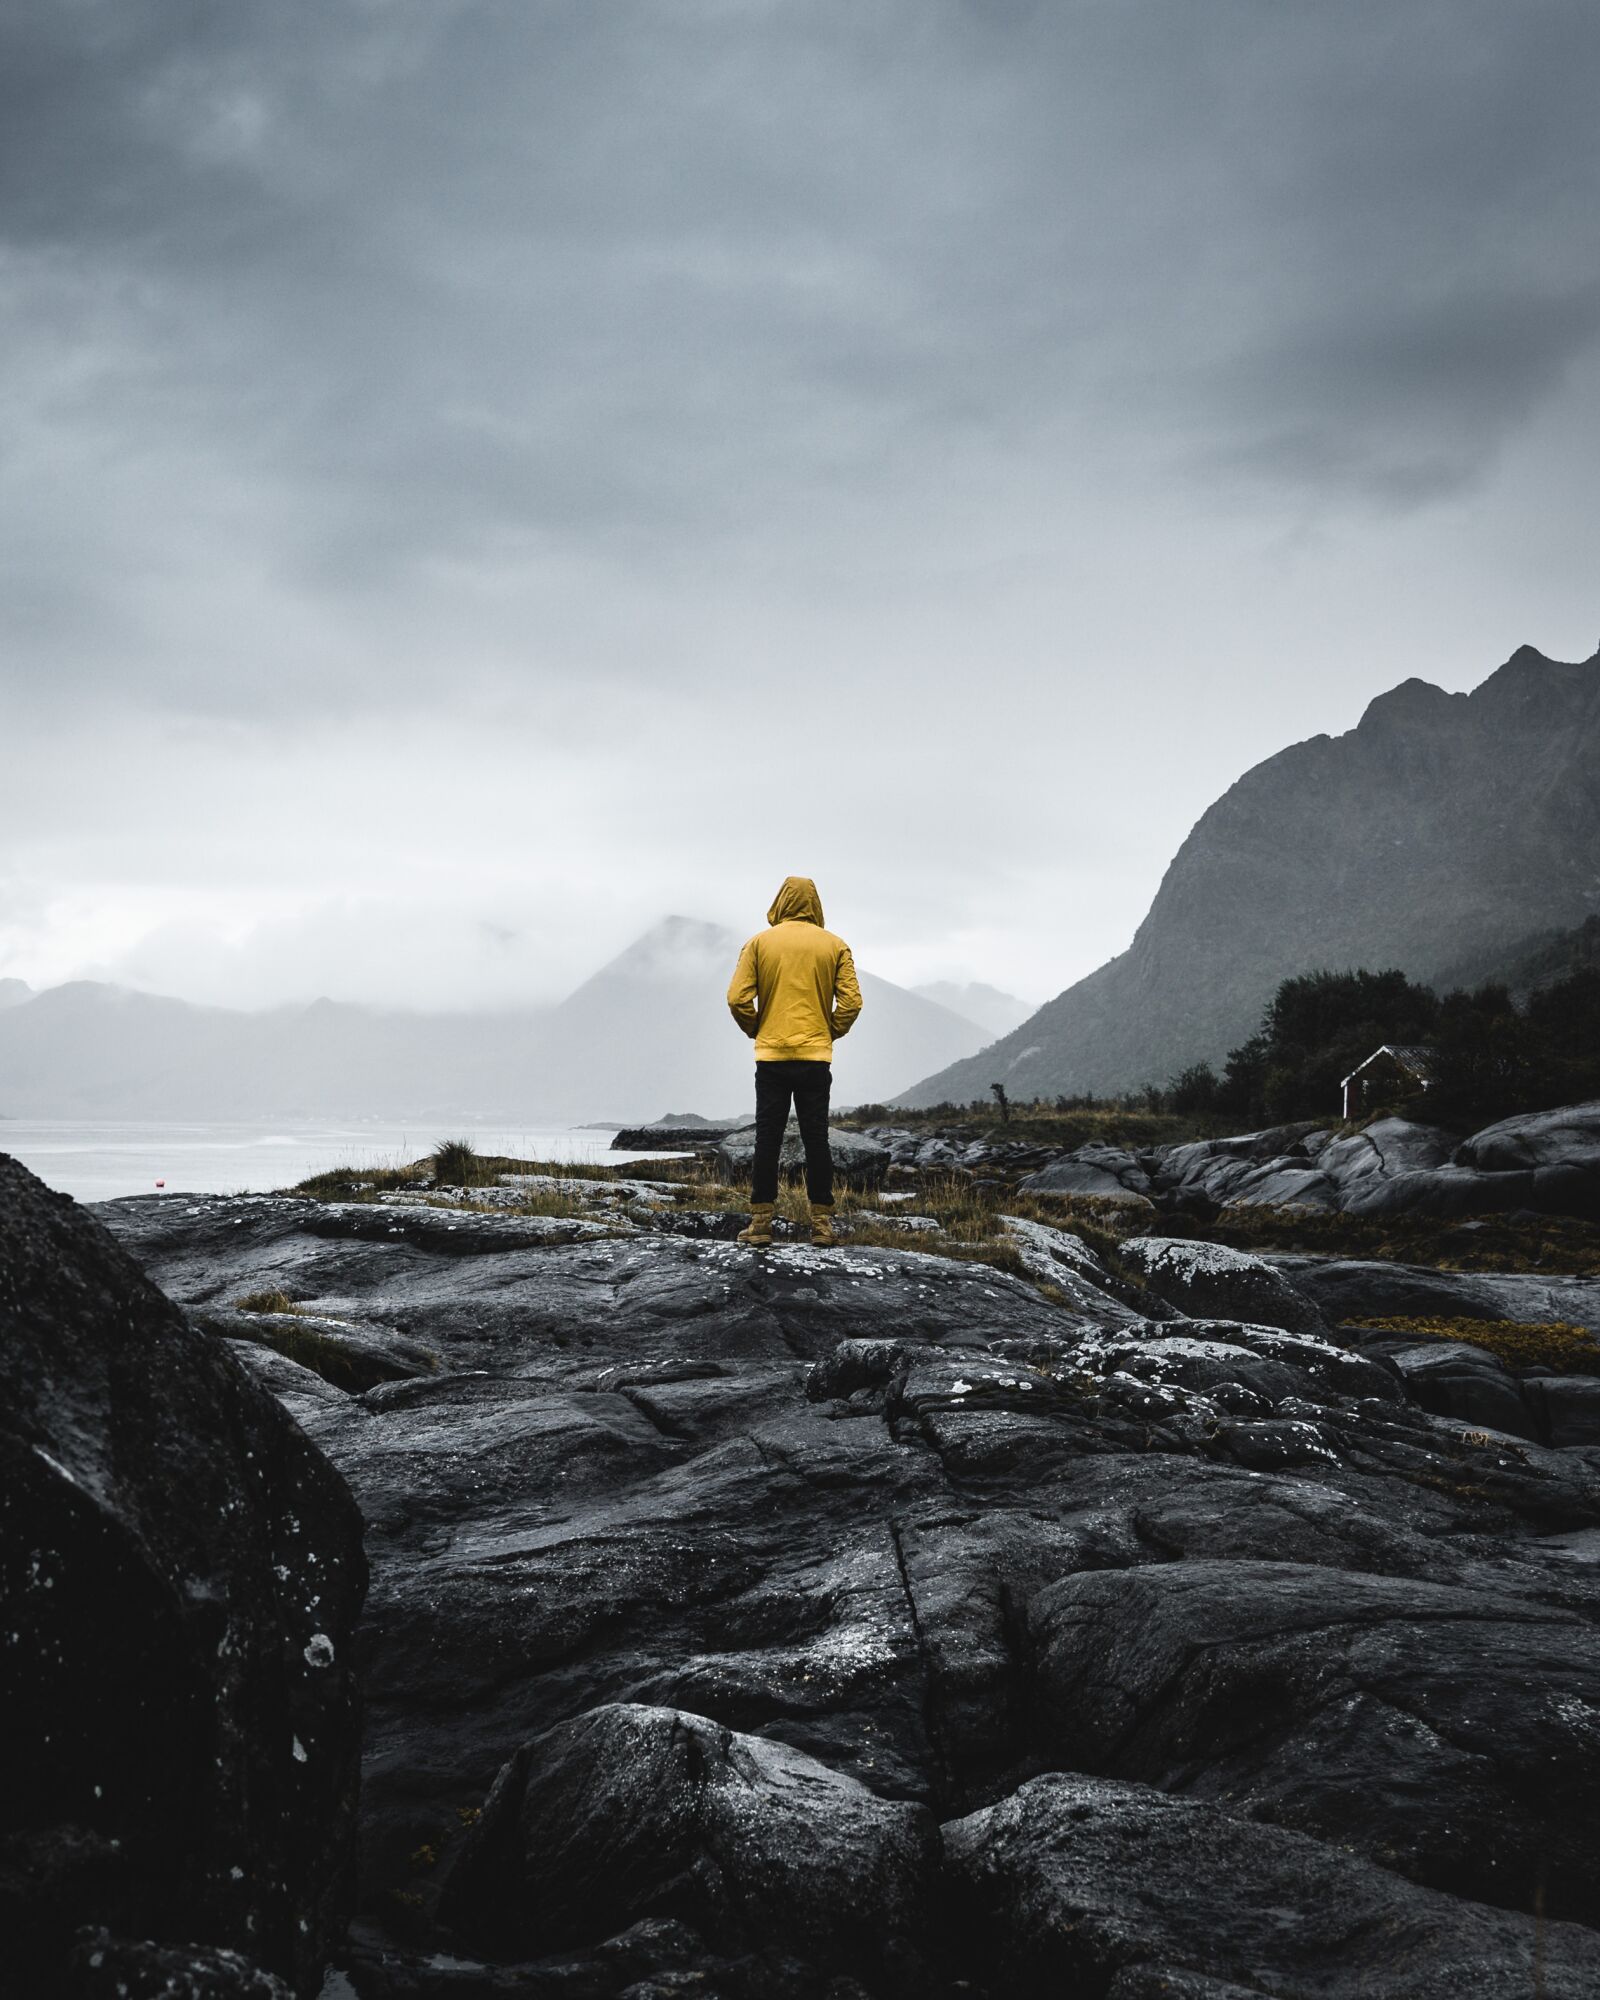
pixel 987 1005
pixel 650 1028
pixel 1445 831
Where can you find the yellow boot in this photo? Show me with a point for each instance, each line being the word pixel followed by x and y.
pixel 822 1225
pixel 760 1231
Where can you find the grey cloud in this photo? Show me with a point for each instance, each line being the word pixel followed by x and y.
pixel 597 376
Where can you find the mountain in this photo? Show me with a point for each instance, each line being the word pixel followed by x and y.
pixel 987 1005
pixel 14 991
pixel 1539 960
pixel 656 1020
pixel 650 1027
pixel 1442 827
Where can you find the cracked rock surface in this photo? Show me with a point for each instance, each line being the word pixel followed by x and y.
pixel 859 1622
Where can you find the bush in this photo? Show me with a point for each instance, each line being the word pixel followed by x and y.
pixel 458 1163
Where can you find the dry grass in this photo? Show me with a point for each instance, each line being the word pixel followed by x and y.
pixel 1550 1346
pixel 1478 1243
pixel 354 1183
pixel 266 1302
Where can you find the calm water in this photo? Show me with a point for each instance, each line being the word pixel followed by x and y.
pixel 96 1162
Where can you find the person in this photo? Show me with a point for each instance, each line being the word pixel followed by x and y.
pixel 794 992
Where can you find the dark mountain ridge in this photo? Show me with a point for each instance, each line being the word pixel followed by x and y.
pixel 1442 827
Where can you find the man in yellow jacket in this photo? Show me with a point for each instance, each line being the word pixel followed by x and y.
pixel 794 992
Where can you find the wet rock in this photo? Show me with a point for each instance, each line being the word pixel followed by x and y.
pixel 182 1574
pixel 1561 1141
pixel 632 1813
pixel 1057 1257
pixel 1453 1379
pixel 1209 1281
pixel 857 1160
pixel 1098 1169
pixel 1079 1885
pixel 349 1355
pixel 1355 1290
pixel 1414 1721
pixel 1565 1407
pixel 107 1968
pixel 820 1500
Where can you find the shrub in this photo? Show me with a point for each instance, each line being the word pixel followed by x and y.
pixel 266 1302
pixel 457 1163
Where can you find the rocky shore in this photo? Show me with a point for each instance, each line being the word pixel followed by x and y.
pixel 1545 1162
pixel 845 1623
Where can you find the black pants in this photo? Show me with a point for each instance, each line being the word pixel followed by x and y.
pixel 808 1084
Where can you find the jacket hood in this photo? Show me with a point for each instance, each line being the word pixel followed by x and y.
pixel 796 902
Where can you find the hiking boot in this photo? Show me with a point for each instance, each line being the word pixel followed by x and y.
pixel 822 1225
pixel 760 1231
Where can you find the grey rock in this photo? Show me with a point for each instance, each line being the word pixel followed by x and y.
pixel 1356 1289
pixel 1568 1137
pixel 347 1354
pixel 812 1499
pixel 1107 1171
pixel 630 1813
pixel 1076 1884
pixel 1210 1281
pixel 106 1968
pixel 182 1576
pixel 1565 1407
pixel 1059 1258
pixel 1369 1721
pixel 857 1160
pixel 1454 1380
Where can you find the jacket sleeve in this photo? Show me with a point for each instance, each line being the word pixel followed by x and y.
pixel 846 994
pixel 743 994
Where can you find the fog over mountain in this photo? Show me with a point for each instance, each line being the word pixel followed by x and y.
pixel 987 1005
pixel 1443 829
pixel 648 1029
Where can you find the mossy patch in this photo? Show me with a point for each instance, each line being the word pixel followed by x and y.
pixel 1552 1347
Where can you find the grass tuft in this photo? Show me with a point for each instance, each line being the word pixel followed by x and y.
pixel 266 1302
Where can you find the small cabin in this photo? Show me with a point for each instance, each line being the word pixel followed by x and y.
pixel 1391 1071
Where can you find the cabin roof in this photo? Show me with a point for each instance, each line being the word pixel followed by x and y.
pixel 1422 1062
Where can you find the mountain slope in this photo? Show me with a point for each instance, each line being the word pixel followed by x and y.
pixel 1444 826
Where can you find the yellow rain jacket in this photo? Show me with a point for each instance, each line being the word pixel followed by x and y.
pixel 794 989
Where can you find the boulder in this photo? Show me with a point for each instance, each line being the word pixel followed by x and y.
pixel 1078 1885
pixel 1559 1150
pixel 857 1160
pixel 1568 1137
pixel 1209 1281
pixel 1107 1171
pixel 182 1575
pixel 1549 1163
pixel 1441 1730
pixel 1453 1379
pixel 1354 1289
pixel 631 1813
pixel 1565 1407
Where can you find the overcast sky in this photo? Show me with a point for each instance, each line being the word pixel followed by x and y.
pixel 478 475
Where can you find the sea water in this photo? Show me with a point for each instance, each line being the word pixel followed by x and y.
pixel 96 1161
